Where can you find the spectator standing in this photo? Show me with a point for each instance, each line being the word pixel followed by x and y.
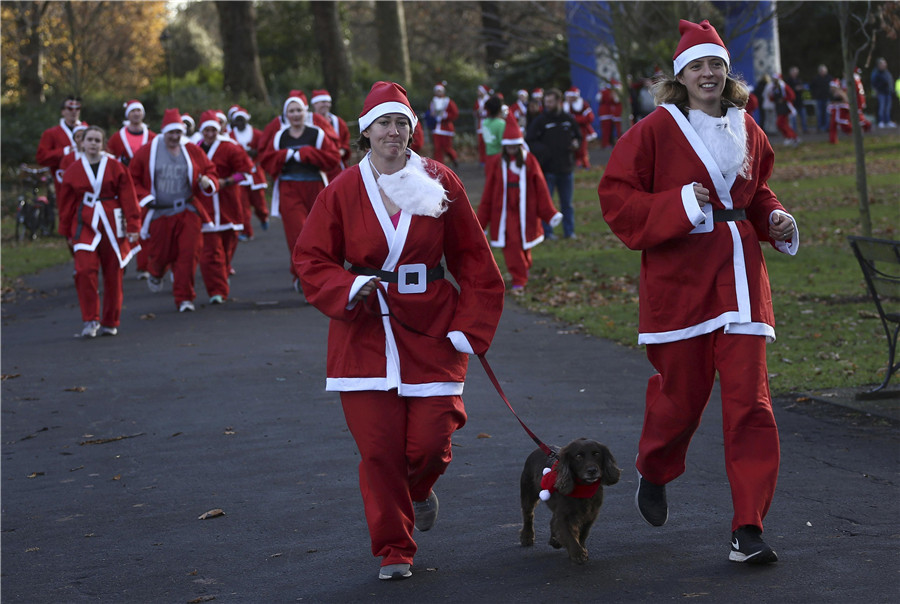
pixel 298 156
pixel 253 196
pixel 444 112
pixel 100 219
pixel 883 85
pixel 820 90
pixel 514 202
pixel 170 176
pixel 397 348
pixel 233 166
pixel 797 119
pixel 553 137
pixel 55 140
pixel 581 110
pixel 688 187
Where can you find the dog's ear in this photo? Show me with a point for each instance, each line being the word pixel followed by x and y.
pixel 611 471
pixel 565 481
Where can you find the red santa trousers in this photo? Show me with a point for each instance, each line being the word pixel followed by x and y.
pixel 142 258
pixel 784 126
pixel 404 446
pixel 87 266
pixel 443 144
pixel 176 241
pixel 676 398
pixel 215 261
pixel 296 199
pixel 518 260
pixel 253 200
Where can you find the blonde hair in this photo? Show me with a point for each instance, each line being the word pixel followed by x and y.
pixel 669 90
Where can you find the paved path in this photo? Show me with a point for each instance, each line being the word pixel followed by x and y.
pixel 112 449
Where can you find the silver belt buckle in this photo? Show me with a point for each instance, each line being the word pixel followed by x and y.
pixel 179 204
pixel 403 285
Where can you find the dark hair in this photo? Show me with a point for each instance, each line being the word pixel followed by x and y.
pixel 493 106
pixel 98 129
pixel 71 97
pixel 554 92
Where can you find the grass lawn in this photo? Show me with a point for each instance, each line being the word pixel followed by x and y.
pixel 828 333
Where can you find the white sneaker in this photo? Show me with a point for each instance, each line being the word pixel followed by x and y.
pixel 142 275
pixel 154 284
pixel 394 572
pixel 90 329
pixel 217 299
pixel 186 306
pixel 891 125
pixel 880 125
pixel 108 331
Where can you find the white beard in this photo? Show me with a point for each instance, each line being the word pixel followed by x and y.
pixel 726 139
pixel 414 190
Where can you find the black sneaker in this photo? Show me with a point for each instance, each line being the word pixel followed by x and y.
pixel 747 546
pixel 650 500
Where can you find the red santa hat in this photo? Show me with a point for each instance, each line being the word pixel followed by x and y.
pixel 383 98
pixel 79 127
pixel 185 117
pixel 220 115
pixel 484 89
pixel 573 91
pixel 440 86
pixel 210 118
pixel 512 134
pixel 239 112
pixel 132 105
pixel 319 96
pixel 537 93
pixel 172 121
pixel 698 41
pixel 522 92
pixel 296 96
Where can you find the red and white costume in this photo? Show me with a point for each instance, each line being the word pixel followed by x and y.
pixel 581 110
pixel 400 389
pixel 174 240
pixel 520 109
pixel 55 143
pixel 609 109
pixel 340 127
pixel 480 113
pixel 253 189
pixel 705 300
pixel 293 199
pixel 514 202
pixel 95 214
pixel 225 210
pixel 445 112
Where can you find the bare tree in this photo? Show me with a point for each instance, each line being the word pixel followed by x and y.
pixel 859 22
pixel 243 75
pixel 333 53
pixel 493 33
pixel 31 57
pixel 393 49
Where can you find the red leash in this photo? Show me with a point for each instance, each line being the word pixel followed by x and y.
pixel 487 369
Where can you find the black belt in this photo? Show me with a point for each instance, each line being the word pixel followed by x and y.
pixel 431 274
pixel 729 215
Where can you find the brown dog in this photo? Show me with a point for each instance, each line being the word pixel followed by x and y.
pixel 575 495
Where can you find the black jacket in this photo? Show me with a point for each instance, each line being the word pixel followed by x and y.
pixel 550 138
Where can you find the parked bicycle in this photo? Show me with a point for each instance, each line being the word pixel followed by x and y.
pixel 35 209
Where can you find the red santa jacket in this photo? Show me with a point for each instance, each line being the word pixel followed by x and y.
pixel 93 207
pixel 118 144
pixel 143 173
pixel 696 275
pixel 252 143
pixel 367 348
pixel 445 112
pixel 52 146
pixel 532 196
pixel 224 207
pixel 312 119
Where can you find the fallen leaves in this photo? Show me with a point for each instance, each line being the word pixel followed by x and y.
pixel 9 376
pixel 101 441
pixel 35 474
pixel 215 513
pixel 75 389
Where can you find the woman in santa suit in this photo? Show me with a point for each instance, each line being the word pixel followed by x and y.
pixel 514 202
pixel 687 185
pixel 298 155
pixel 99 217
pixel 233 166
pixel 400 332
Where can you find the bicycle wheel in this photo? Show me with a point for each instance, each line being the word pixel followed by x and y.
pixel 20 220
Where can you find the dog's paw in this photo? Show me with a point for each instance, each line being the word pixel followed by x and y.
pixel 579 556
pixel 526 537
pixel 554 543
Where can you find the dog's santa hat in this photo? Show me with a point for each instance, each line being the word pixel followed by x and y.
pixel 209 119
pixel 383 98
pixel 172 121
pixel 698 41
pixel 512 134
pixel 132 105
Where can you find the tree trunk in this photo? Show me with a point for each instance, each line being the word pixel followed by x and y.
pixel 393 50
pixel 862 187
pixel 243 75
pixel 336 69
pixel 31 57
pixel 492 33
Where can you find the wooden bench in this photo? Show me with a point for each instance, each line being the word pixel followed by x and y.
pixel 880 263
